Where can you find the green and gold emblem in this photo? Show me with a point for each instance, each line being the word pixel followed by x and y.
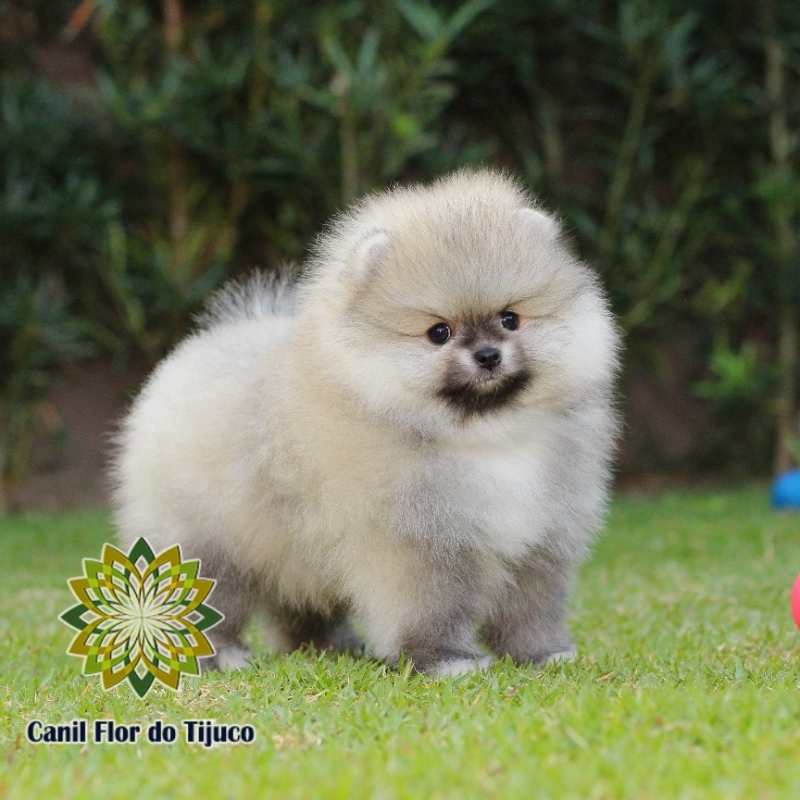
pixel 141 617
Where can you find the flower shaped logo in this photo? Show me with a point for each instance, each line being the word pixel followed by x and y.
pixel 141 617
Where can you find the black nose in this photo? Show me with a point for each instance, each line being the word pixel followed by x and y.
pixel 488 357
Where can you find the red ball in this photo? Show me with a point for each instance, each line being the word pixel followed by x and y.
pixel 796 601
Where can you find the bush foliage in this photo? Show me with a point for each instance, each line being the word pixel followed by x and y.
pixel 219 135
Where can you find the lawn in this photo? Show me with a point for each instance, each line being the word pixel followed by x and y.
pixel 687 684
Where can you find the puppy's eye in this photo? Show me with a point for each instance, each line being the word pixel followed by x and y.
pixel 439 333
pixel 509 320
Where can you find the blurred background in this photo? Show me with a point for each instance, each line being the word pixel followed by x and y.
pixel 149 149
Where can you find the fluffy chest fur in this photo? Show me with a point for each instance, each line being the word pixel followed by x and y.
pixel 488 496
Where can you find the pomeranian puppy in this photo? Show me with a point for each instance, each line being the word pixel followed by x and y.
pixel 415 438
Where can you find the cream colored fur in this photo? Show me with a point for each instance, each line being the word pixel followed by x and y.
pixel 300 439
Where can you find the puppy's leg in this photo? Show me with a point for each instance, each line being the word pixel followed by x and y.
pixel 331 631
pixel 422 605
pixel 527 622
pixel 234 595
pixel 443 643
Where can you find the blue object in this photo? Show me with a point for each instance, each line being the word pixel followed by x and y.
pixel 786 490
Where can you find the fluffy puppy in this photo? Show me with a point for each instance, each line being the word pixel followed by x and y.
pixel 417 437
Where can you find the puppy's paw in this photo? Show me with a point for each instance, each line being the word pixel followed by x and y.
pixel 560 654
pixel 566 655
pixel 460 666
pixel 228 657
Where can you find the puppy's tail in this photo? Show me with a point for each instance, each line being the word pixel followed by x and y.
pixel 258 295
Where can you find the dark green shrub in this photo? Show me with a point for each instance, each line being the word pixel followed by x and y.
pixel 52 216
pixel 222 137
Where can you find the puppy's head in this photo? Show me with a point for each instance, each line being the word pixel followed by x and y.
pixel 456 302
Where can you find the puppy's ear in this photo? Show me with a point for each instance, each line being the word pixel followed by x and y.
pixel 540 221
pixel 368 253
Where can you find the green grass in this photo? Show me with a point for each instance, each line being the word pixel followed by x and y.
pixel 688 684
